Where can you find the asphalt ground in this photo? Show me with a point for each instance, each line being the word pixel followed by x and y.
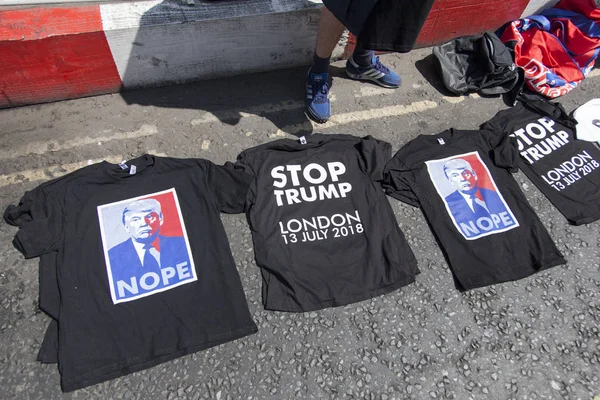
pixel 538 338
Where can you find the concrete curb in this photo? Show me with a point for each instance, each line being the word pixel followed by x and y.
pixel 57 53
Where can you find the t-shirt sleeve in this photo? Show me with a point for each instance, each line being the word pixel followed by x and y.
pixel 244 163
pixel 374 154
pixel 396 182
pixel 39 218
pixel 229 186
pixel 504 149
pixel 491 125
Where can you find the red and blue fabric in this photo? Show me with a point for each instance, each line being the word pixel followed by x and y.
pixel 557 48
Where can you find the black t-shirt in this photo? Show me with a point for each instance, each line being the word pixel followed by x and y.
pixel 565 169
pixel 142 263
pixel 486 227
pixel 324 232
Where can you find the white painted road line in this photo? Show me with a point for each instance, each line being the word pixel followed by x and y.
pixel 148 130
pixel 56 171
pixel 366 91
pixel 231 114
pixel 454 100
pixel 48 173
pixel 208 117
pixel 26 148
pixel 358 116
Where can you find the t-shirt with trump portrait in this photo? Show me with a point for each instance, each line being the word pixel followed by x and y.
pixel 324 232
pixel 143 272
pixel 462 181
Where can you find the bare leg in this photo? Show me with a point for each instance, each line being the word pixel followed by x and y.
pixel 330 31
pixel 328 34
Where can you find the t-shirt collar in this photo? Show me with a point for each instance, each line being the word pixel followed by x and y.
pixel 134 167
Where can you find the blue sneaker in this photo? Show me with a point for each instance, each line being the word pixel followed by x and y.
pixel 376 72
pixel 318 106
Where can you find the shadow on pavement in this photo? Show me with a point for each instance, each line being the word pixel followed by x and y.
pixel 277 96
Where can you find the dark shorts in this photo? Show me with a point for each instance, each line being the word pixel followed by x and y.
pixel 386 25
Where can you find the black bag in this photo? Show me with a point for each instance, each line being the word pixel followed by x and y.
pixel 480 63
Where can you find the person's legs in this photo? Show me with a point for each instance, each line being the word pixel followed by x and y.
pixel 363 57
pixel 365 66
pixel 328 35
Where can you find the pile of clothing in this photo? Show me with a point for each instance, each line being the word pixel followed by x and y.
pixel 552 52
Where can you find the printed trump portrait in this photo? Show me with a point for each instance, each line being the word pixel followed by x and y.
pixel 471 196
pixel 145 246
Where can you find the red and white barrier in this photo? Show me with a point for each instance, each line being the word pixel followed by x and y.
pixel 52 54
pixel 56 53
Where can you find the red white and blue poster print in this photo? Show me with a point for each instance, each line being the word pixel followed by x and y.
pixel 471 196
pixel 557 49
pixel 146 247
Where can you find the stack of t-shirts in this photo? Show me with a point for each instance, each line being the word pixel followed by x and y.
pixel 486 227
pixel 136 267
pixel 324 232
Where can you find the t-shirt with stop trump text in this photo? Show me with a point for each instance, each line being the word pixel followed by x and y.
pixel 565 169
pixel 324 232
